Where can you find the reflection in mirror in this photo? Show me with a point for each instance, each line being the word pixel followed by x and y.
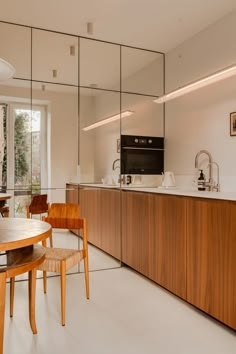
pixel 101 207
pixel 142 71
pixel 15 114
pixel 147 118
pixel 99 64
pixel 57 109
pixel 98 144
pixel 16 49
pixel 54 57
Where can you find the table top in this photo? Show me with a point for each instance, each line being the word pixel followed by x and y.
pixel 4 196
pixel 20 232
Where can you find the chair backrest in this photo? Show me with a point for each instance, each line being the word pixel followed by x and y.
pixel 38 205
pixel 64 216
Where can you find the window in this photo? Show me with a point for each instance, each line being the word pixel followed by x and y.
pixel 25 151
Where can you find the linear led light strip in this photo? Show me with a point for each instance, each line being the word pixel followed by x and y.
pixel 217 76
pixel 108 120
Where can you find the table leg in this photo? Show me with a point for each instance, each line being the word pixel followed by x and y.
pixel 2 307
pixel 32 292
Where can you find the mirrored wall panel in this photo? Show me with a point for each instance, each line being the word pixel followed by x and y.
pixel 61 120
pixel 54 57
pixel 99 64
pixel 56 109
pixel 99 133
pixel 16 147
pixel 16 48
pixel 142 71
pixel 146 117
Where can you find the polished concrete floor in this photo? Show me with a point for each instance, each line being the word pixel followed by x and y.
pixel 126 313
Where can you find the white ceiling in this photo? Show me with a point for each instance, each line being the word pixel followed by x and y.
pixel 151 24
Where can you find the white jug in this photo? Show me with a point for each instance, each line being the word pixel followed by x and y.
pixel 168 179
pixel 137 179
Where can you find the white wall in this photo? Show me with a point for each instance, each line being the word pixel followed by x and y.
pixel 64 137
pixel 200 120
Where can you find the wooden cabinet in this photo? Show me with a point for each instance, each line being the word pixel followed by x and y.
pixel 72 197
pixel 185 244
pixel 154 238
pixel 137 230
pixel 110 222
pixel 90 209
pixel 168 244
pixel 101 208
pixel 72 193
pixel 211 257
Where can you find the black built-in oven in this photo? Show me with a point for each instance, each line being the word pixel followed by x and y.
pixel 143 155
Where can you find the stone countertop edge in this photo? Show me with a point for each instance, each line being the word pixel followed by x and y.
pixel 179 191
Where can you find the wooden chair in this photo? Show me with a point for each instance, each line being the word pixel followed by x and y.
pixel 4 211
pixel 20 261
pixel 59 260
pixel 38 206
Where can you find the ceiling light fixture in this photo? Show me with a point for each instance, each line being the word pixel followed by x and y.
pixel 108 120
pixel 72 50
pixel 6 70
pixel 90 28
pixel 205 81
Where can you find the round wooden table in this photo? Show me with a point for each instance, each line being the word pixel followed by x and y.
pixel 18 238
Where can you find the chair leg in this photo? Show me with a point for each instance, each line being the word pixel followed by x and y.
pixel 50 241
pixel 63 291
pixel 2 307
pixel 86 274
pixel 32 292
pixel 12 293
pixel 44 282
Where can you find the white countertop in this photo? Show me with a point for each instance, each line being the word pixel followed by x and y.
pixel 180 191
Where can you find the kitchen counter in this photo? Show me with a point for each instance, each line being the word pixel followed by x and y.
pixel 180 191
pixel 180 238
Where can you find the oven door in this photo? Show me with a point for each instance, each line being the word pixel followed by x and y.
pixel 142 161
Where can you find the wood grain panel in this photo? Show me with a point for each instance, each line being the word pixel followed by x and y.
pixel 168 246
pixel 90 209
pixel 137 228
pixel 72 193
pixel 110 222
pixel 211 257
pixel 72 197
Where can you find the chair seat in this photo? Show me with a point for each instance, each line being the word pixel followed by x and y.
pixel 54 257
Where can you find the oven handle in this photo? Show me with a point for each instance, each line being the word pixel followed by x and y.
pixel 139 148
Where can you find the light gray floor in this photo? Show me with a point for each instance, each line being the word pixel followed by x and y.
pixel 126 314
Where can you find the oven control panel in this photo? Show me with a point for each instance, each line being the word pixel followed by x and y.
pixel 142 141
